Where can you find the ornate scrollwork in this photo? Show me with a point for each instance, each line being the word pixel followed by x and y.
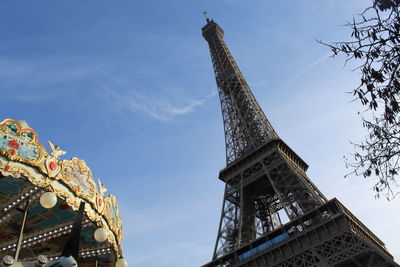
pixel 20 143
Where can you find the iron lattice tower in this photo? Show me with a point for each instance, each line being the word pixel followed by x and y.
pixel 265 182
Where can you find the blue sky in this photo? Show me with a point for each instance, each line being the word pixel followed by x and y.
pixel 128 87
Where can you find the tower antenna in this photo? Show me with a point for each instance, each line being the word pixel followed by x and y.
pixel 205 15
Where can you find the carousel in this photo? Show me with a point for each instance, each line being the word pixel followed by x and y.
pixel 52 213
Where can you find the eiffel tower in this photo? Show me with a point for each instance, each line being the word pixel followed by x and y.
pixel 272 214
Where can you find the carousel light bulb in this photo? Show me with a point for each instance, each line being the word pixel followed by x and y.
pixel 42 260
pixel 8 260
pixel 48 200
pixel 121 263
pixel 100 235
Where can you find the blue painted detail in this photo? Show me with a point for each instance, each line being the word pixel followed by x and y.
pixel 29 134
pixel 4 143
pixel 12 127
pixel 263 246
pixel 11 186
pixel 25 150
pixel 28 152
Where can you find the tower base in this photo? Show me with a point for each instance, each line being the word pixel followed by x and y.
pixel 329 235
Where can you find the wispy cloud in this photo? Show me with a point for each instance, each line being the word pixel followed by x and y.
pixel 162 106
pixel 45 75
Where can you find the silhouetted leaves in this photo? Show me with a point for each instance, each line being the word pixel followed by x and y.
pixel 375 45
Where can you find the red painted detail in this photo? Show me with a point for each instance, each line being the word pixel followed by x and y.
pixel 63 206
pixel 53 166
pixel 100 202
pixel 13 144
pixel 13 152
pixel 7 168
pixel 78 189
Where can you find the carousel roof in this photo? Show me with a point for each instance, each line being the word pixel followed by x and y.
pixel 26 172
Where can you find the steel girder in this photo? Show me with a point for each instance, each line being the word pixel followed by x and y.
pixel 254 196
pixel 245 124
pixel 328 235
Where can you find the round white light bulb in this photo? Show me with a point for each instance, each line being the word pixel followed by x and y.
pixel 8 260
pixel 100 235
pixel 48 200
pixel 121 263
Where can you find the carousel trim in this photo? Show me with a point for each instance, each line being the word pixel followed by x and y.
pixel 23 156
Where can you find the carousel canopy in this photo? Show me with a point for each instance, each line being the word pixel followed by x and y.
pixel 27 171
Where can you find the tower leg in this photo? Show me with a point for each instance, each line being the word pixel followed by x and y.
pixel 248 218
pixel 229 223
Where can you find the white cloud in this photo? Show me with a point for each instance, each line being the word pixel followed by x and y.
pixel 45 76
pixel 183 110
pixel 162 107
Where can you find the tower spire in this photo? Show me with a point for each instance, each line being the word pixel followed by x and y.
pixel 206 16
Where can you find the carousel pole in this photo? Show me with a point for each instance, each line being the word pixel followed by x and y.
pixel 71 248
pixel 21 232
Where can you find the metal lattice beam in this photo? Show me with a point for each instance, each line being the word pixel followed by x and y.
pixel 245 124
